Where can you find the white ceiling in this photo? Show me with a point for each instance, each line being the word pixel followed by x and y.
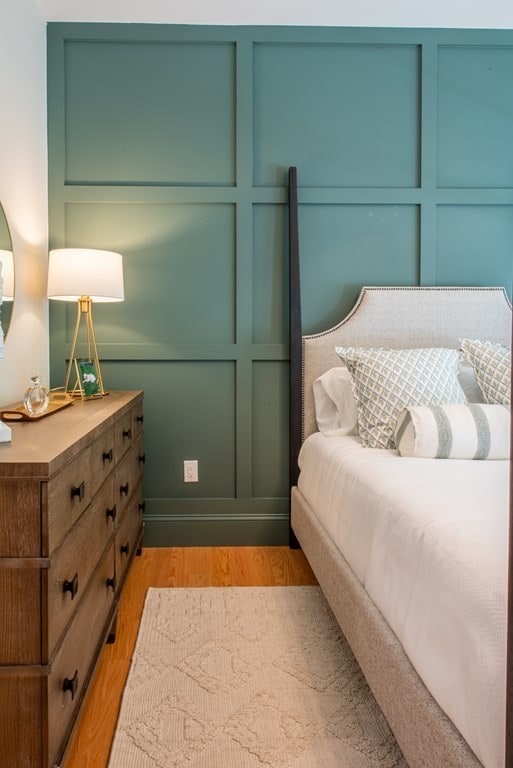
pixel 376 13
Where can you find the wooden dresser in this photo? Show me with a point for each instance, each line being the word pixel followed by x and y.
pixel 70 522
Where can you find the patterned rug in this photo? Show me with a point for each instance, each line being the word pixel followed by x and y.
pixel 247 677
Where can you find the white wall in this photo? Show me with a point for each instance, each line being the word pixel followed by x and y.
pixel 23 190
pixel 374 13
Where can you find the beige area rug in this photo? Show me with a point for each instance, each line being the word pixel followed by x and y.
pixel 247 677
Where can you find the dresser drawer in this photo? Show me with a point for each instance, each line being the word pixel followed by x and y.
pixel 128 475
pixel 68 495
pixel 71 490
pixel 72 565
pixel 73 663
pixel 103 457
pixel 137 420
pixel 123 434
pixel 128 535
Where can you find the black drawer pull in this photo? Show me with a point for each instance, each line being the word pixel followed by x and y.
pixel 127 433
pixel 125 548
pixel 111 512
pixel 142 506
pixel 71 586
pixel 123 489
pixel 79 491
pixel 111 583
pixel 139 419
pixel 142 458
pixel 107 455
pixel 71 684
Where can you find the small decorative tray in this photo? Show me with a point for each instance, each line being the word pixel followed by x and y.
pixel 18 412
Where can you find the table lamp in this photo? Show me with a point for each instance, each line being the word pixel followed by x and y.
pixel 85 275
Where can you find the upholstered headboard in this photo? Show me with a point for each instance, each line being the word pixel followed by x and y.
pixel 405 317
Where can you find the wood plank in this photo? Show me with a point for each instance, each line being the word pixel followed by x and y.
pixel 20 697
pixel 20 609
pixel 39 449
pixel 20 528
pixel 169 567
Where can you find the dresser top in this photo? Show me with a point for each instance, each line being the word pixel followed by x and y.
pixel 40 448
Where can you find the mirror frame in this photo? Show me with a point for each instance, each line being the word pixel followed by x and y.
pixel 6 245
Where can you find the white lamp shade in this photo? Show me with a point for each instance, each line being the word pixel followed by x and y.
pixel 7 262
pixel 76 272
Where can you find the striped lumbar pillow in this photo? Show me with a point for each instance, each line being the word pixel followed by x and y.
pixel 457 431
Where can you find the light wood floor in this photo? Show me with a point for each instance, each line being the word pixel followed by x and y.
pixel 169 567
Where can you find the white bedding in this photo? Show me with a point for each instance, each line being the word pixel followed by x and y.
pixel 428 540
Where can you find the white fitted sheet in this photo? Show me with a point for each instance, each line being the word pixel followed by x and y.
pixel 428 540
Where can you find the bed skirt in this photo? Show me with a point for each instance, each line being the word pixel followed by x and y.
pixel 426 736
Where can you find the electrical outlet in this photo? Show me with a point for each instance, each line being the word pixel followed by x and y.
pixel 190 471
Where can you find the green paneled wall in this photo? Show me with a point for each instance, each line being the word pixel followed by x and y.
pixel 351 111
pixel 171 145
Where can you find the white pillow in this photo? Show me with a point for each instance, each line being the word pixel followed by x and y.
pixel 335 406
pixel 471 431
pixel 492 367
pixel 386 380
pixel 469 385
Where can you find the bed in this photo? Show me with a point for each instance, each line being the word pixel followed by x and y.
pixel 414 573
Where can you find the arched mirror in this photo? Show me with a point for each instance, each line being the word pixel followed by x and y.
pixel 6 258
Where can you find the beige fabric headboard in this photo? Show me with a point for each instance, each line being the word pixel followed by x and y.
pixel 402 318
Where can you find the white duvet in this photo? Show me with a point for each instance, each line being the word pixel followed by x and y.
pixel 428 540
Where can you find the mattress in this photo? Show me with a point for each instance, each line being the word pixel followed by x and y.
pixel 427 539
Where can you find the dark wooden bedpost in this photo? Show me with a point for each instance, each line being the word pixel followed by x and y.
pixel 295 344
pixel 509 647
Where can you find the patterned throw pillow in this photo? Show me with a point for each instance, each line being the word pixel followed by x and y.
pixel 492 368
pixel 387 380
pixel 456 431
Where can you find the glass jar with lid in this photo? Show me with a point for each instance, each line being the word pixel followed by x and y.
pixel 36 397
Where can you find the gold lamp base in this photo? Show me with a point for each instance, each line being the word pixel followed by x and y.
pixel 88 381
